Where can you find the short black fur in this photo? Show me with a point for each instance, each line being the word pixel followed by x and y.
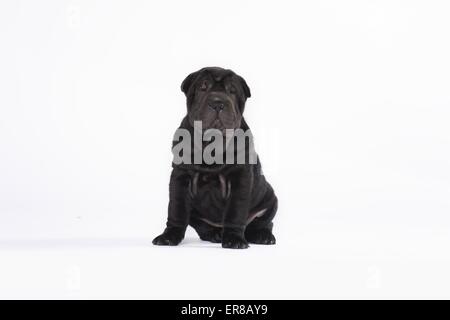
pixel 232 204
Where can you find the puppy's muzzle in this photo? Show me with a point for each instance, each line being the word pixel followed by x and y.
pixel 216 103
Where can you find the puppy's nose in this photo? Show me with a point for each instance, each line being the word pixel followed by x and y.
pixel 216 103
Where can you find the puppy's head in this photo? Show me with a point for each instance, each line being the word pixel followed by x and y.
pixel 216 97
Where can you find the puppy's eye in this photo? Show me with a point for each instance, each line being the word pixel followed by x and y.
pixel 204 85
pixel 232 89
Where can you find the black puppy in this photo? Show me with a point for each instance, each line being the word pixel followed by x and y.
pixel 228 203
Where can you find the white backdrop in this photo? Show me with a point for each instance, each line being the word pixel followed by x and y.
pixel 350 109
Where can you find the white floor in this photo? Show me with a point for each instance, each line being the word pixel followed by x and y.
pixel 359 264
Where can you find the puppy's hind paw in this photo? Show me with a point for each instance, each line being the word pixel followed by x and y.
pixel 263 236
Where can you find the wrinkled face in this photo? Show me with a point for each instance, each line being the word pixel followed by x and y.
pixel 216 97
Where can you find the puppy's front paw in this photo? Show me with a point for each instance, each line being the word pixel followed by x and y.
pixel 234 241
pixel 168 239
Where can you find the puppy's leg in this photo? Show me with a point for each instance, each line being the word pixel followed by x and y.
pixel 179 210
pixel 236 213
pixel 205 231
pixel 259 231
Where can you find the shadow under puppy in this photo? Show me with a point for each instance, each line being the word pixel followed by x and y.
pixel 228 203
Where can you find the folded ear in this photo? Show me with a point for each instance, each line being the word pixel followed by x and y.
pixel 186 84
pixel 245 87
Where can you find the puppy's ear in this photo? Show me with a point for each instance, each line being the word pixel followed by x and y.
pixel 245 87
pixel 186 84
